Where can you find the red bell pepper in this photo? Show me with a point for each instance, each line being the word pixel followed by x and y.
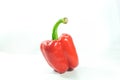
pixel 60 53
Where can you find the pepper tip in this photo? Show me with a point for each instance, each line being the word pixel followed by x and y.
pixel 65 20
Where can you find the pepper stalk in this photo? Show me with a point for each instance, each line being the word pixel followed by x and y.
pixel 55 28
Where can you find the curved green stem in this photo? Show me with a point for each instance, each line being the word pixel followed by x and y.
pixel 54 31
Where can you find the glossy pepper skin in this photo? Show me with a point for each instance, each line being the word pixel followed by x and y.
pixel 60 53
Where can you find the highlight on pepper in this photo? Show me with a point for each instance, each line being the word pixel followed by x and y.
pixel 60 52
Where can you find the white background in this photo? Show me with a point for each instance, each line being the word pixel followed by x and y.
pixel 93 24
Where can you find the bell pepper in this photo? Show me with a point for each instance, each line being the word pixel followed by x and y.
pixel 60 52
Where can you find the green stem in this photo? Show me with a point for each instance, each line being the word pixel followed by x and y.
pixel 54 31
